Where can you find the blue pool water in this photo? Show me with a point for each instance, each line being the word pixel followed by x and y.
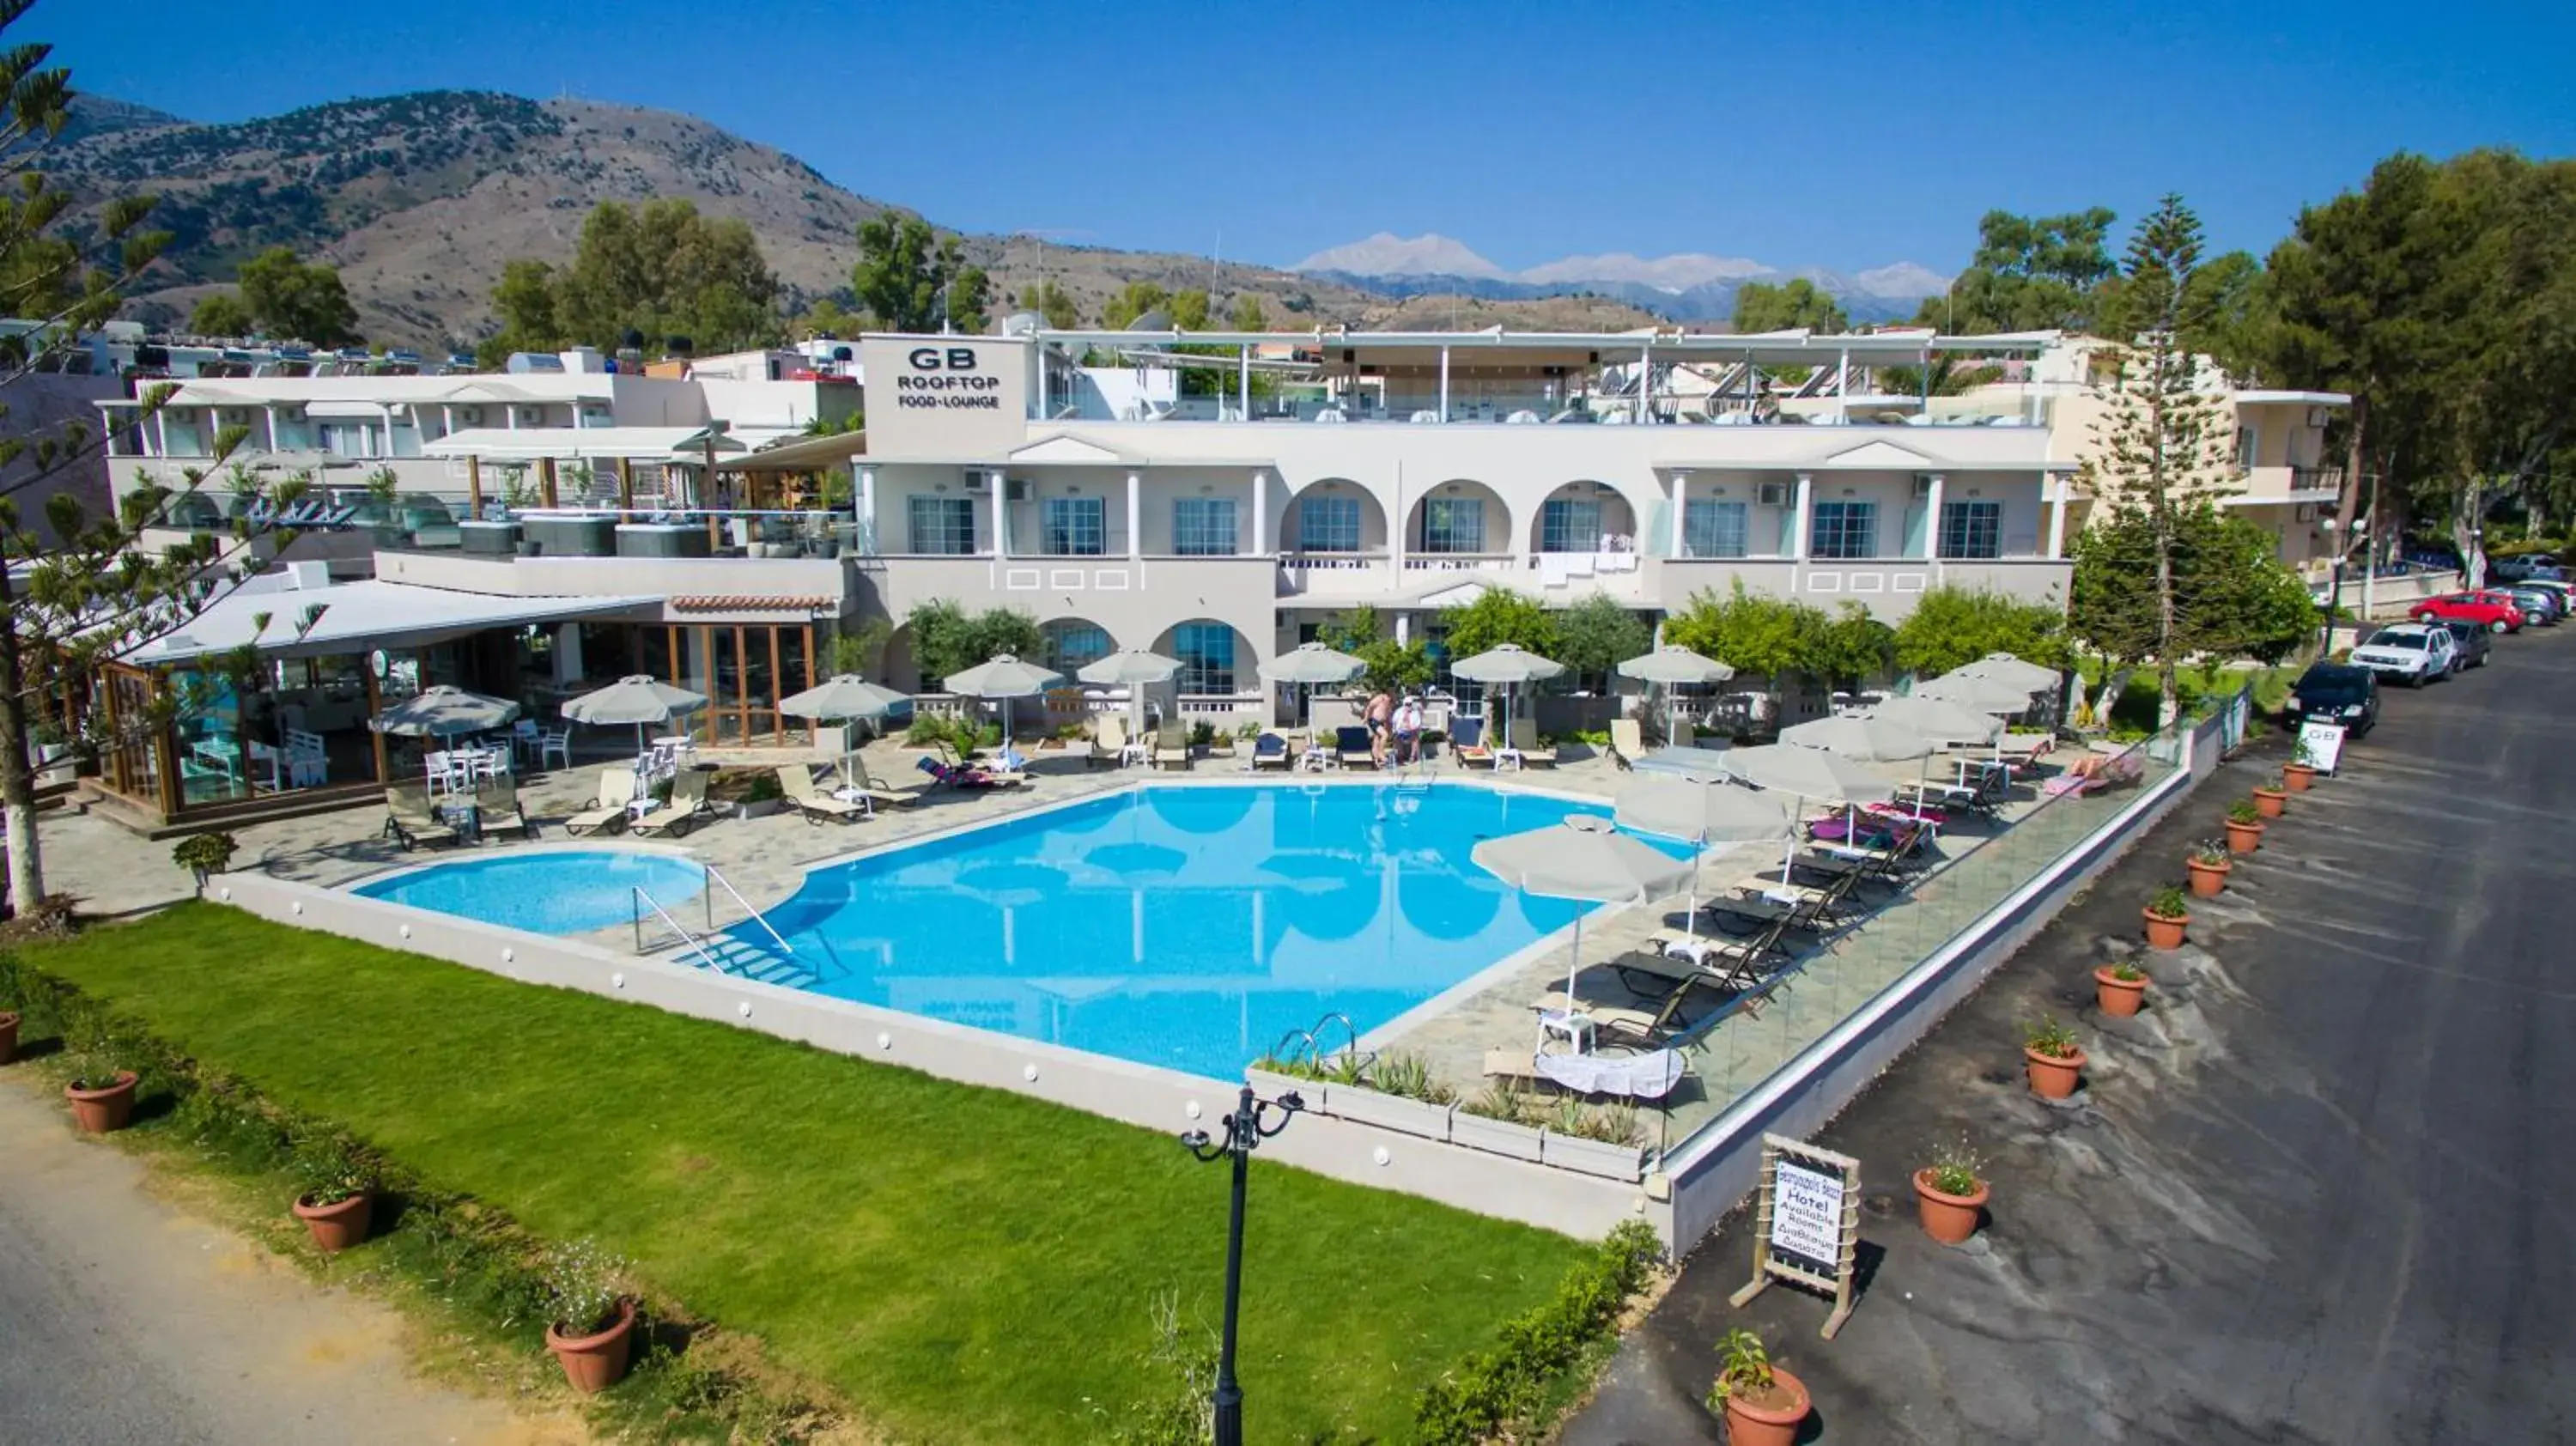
pixel 561 891
pixel 1182 927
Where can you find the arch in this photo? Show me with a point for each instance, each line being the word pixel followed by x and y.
pixel 1346 519
pixel 1215 656
pixel 1443 903
pixel 1578 514
pixel 1443 520
pixel 899 667
pixel 1066 643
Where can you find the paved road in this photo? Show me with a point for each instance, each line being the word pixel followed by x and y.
pixel 123 1321
pixel 2323 1191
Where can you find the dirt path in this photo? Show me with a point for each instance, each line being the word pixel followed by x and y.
pixel 126 1320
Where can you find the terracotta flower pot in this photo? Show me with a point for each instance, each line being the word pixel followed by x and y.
pixel 2243 838
pixel 2207 879
pixel 2163 932
pixel 1771 1418
pixel 595 1362
pixel 2053 1078
pixel 8 1036
pixel 103 1111
pixel 337 1226
pixel 2117 995
pixel 2297 776
pixel 1950 1219
pixel 2269 802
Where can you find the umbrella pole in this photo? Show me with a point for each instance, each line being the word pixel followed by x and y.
pixel 1573 966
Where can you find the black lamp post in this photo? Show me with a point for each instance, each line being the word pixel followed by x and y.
pixel 2334 598
pixel 1245 1129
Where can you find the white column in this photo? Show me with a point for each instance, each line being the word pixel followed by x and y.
pixel 511 415
pixel 1395 525
pixel 1260 512
pixel 1681 506
pixel 1243 386
pixel 1799 519
pixel 1404 627
pixel 270 411
pixel 1645 380
pixel 1444 384
pixel 867 515
pixel 1135 519
pixel 2056 513
pixel 1932 520
pixel 161 431
pixel 1842 386
pixel 1001 514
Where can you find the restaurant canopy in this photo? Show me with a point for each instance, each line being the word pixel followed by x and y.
pixel 529 444
pixel 357 617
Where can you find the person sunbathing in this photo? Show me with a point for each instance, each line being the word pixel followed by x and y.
pixel 964 775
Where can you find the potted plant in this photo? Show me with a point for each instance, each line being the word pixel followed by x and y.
pixel 1762 1403
pixel 2209 866
pixel 338 1199
pixel 2270 801
pixel 205 854
pixel 1594 1141
pixel 2053 1057
pixel 593 1324
pixel 2301 770
pixel 2167 914
pixel 1503 1118
pixel 1950 1191
pixel 2244 827
pixel 1399 1094
pixel 102 1095
pixel 2120 988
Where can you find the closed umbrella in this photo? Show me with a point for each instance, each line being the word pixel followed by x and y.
pixel 1581 858
pixel 1671 666
pixel 1806 773
pixel 1133 669
pixel 446 712
pixel 1507 666
pixel 843 698
pixel 1705 810
pixel 1309 666
pixel 1003 679
pixel 635 699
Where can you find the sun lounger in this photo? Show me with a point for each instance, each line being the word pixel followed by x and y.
pixel 1351 747
pixel 818 807
pixel 1467 743
pixel 411 820
pixel 880 793
pixel 1172 745
pixel 1627 743
pixel 497 799
pixel 1109 744
pixel 1729 965
pixel 1271 751
pixel 1648 1076
pixel 1614 1023
pixel 968 776
pixel 1525 743
pixel 681 811
pixel 616 791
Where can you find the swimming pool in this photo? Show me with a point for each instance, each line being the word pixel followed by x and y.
pixel 545 891
pixel 1187 927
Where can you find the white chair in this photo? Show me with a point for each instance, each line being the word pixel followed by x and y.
pixel 555 746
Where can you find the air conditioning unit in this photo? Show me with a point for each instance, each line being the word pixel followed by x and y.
pixel 1922 486
pixel 532 416
pixel 1772 494
pixel 2319 416
pixel 1019 489
pixel 469 416
pixel 979 483
pixel 232 417
pixel 597 415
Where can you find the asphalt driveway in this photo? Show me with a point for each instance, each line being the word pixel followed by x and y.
pixel 2323 1190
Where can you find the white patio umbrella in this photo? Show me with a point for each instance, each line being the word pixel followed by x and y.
pixel 1864 739
pixel 1805 773
pixel 1508 666
pixel 1938 719
pixel 635 699
pixel 1133 669
pixel 1309 666
pixel 1670 665
pixel 1986 695
pixel 842 698
pixel 1705 810
pixel 2010 671
pixel 445 712
pixel 1003 679
pixel 1581 858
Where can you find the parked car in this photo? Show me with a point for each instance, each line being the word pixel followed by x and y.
pixel 2474 643
pixel 2410 653
pixel 2538 604
pixel 2335 693
pixel 2561 591
pixel 2494 610
pixel 2507 569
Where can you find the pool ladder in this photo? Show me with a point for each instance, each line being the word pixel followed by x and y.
pixel 1307 1045
pixel 704 945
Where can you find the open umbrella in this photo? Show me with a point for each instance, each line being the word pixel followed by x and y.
pixel 1004 678
pixel 842 698
pixel 1310 665
pixel 1863 739
pixel 1806 773
pixel 1670 666
pixel 1986 695
pixel 1581 858
pixel 1133 669
pixel 2010 671
pixel 1942 722
pixel 445 712
pixel 635 699
pixel 1705 810
pixel 1507 666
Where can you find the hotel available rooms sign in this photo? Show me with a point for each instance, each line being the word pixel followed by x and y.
pixel 945 397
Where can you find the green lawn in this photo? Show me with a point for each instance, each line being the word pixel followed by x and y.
pixel 962 1264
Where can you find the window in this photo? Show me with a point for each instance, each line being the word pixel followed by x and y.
pixel 349 439
pixel 2249 445
pixel 1203 526
pixel 1972 529
pixel 1328 524
pixel 942 526
pixel 1072 643
pixel 1712 529
pixel 1074 527
pixel 1453 524
pixel 1844 530
pixel 1206 651
pixel 1566 524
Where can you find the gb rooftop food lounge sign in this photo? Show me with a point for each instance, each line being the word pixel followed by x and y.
pixel 946 398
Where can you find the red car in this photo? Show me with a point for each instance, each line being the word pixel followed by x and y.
pixel 2493 611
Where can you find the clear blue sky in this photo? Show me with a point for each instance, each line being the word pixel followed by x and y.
pixel 1840 136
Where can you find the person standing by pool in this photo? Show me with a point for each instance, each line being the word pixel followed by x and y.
pixel 1408 729
pixel 1379 716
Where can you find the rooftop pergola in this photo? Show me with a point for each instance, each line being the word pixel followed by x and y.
pixel 548 447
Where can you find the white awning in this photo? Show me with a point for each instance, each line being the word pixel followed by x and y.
pixel 358 617
pixel 527 444
pixel 371 411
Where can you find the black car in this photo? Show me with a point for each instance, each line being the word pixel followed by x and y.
pixel 2474 644
pixel 2335 693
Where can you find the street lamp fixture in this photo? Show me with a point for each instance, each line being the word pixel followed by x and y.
pixel 1244 1130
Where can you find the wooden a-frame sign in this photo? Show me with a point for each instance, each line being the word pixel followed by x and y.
pixel 1806 1228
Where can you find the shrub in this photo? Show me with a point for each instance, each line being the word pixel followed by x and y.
pixel 1504 1100
pixel 1202 733
pixel 2048 1037
pixel 212 852
pixel 1506 1386
pixel 580 1281
pixel 328 1171
pixel 1409 1075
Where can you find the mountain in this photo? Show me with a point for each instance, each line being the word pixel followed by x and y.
pixel 1687 287
pixel 96 115
pixel 1388 255
pixel 1664 273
